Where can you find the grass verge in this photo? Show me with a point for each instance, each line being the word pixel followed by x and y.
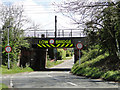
pixel 3 86
pixel 67 58
pixel 15 69
pixel 53 63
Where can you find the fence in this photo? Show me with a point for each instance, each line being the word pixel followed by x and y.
pixel 51 33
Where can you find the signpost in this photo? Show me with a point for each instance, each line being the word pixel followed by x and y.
pixel 79 46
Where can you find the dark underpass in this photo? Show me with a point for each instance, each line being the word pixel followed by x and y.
pixel 36 55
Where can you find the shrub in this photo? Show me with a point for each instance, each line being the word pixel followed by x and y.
pixel 88 55
pixel 91 66
pixel 61 53
pixel 68 53
pixel 112 75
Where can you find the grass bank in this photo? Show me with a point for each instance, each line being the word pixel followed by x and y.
pixel 53 63
pixel 68 58
pixel 96 65
pixel 3 86
pixel 15 69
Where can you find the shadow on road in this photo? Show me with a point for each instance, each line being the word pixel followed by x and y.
pixel 55 69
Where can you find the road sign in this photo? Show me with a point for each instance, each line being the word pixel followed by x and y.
pixel 79 45
pixel 8 49
pixel 51 41
pixel 55 43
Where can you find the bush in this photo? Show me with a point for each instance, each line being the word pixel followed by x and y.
pixel 88 55
pixel 61 54
pixel 112 75
pixel 68 53
pixel 91 66
pixel 53 63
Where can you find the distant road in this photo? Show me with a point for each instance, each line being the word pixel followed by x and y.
pixel 65 64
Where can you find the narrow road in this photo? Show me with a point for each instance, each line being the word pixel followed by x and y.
pixel 56 79
pixel 67 64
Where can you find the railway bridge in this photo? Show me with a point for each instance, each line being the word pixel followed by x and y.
pixel 36 55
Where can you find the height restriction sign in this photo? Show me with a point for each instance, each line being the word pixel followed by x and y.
pixel 51 41
pixel 79 45
pixel 8 49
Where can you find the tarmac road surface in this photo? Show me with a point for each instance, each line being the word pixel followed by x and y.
pixel 56 79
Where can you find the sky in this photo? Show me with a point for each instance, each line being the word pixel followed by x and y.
pixel 42 12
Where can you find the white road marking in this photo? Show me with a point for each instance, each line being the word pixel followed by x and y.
pixel 49 75
pixel 72 83
pixel 11 82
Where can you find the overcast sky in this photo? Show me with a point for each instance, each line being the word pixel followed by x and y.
pixel 42 12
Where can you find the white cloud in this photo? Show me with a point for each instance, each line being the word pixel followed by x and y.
pixel 44 16
pixel 41 14
pixel 0 2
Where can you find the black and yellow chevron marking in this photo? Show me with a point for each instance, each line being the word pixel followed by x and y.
pixel 71 45
pixel 67 45
pixel 62 45
pixel 44 45
pixel 53 46
pixel 58 45
pixel 39 45
pixel 48 45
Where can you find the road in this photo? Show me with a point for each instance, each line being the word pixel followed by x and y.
pixel 55 79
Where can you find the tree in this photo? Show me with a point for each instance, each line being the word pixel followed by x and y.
pixel 100 20
pixel 12 18
pixel 107 35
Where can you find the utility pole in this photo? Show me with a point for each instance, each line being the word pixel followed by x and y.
pixel 55 50
pixel 55 26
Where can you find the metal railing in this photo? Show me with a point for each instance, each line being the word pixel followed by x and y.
pixel 51 33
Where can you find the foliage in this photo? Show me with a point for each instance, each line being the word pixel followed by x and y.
pixel 53 63
pixel 101 23
pixel 108 35
pixel 16 42
pixel 61 53
pixel 112 75
pixel 100 20
pixel 95 67
pixel 68 53
pixel 90 54
pixel 2 86
pixel 12 18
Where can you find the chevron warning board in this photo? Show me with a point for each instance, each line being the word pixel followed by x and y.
pixel 55 43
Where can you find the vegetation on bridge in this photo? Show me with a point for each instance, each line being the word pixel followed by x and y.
pixel 61 56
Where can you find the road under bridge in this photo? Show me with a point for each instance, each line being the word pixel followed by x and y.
pixel 36 55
